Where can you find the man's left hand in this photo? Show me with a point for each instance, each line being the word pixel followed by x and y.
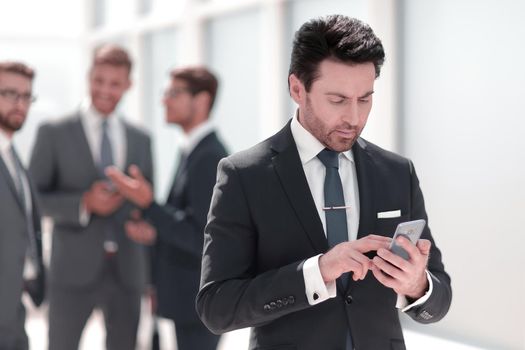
pixel 406 277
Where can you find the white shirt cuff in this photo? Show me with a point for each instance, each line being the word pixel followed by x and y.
pixel 316 290
pixel 83 215
pixel 402 302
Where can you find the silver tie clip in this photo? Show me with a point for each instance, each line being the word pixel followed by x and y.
pixel 344 207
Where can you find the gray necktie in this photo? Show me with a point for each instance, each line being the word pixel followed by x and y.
pixel 335 209
pixel 106 152
pixel 28 211
pixel 106 159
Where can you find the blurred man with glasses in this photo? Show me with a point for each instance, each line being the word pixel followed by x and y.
pixel 179 224
pixel 21 267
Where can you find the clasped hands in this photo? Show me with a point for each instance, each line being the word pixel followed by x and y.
pixel 105 197
pixel 405 277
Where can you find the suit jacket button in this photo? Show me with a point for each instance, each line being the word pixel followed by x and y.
pixel 273 305
pixel 266 307
pixel 348 299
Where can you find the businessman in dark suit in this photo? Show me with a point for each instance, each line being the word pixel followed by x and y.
pixel 296 244
pixel 94 264
pixel 21 267
pixel 179 224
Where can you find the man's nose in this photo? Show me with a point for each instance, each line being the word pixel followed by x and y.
pixel 351 114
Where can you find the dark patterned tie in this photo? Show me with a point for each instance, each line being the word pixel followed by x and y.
pixel 334 201
pixel 335 209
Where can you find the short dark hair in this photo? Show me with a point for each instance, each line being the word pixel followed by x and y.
pixel 338 37
pixel 113 55
pixel 198 79
pixel 17 68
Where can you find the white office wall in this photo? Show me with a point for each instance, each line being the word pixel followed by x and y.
pixel 463 103
pixel 160 56
pixel 31 32
pixel 232 52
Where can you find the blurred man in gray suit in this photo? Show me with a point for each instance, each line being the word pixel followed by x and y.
pixel 93 262
pixel 21 266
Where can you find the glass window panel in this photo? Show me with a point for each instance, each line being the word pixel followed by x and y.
pixel 233 53
pixel 159 57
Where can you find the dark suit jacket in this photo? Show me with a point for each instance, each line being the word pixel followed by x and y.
pixel 62 168
pixel 13 246
pixel 262 226
pixel 180 226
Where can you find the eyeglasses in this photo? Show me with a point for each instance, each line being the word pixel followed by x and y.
pixel 13 96
pixel 173 93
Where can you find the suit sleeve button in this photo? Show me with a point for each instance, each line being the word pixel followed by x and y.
pixel 291 299
pixel 279 303
pixel 273 305
pixel 266 307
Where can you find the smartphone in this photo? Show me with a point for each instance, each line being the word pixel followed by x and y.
pixel 411 230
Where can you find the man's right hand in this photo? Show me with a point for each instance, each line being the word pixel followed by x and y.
pixel 349 257
pixel 134 187
pixel 102 199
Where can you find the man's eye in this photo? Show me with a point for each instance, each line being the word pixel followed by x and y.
pixel 337 101
pixel 364 100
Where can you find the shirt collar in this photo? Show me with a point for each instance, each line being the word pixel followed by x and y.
pixel 5 141
pixel 195 136
pixel 307 145
pixel 94 118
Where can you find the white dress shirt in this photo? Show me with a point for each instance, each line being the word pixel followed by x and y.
pixel 308 147
pixel 91 121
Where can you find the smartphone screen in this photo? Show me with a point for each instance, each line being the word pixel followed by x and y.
pixel 411 230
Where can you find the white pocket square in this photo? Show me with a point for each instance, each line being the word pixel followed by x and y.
pixel 389 214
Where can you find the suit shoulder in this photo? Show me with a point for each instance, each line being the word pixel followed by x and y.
pixel 382 154
pixel 60 123
pixel 253 157
pixel 136 130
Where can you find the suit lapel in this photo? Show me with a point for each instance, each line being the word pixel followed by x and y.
pixel 83 150
pixel 130 151
pixel 365 169
pixel 9 180
pixel 289 169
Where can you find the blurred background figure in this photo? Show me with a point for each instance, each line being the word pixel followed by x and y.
pixel 21 267
pixel 179 223
pixel 94 264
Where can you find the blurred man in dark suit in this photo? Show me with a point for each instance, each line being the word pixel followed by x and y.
pixel 21 267
pixel 179 223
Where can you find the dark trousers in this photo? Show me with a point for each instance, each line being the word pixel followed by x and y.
pixel 13 336
pixel 195 337
pixel 69 310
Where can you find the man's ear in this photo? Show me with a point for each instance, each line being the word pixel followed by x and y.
pixel 203 100
pixel 297 90
pixel 128 84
